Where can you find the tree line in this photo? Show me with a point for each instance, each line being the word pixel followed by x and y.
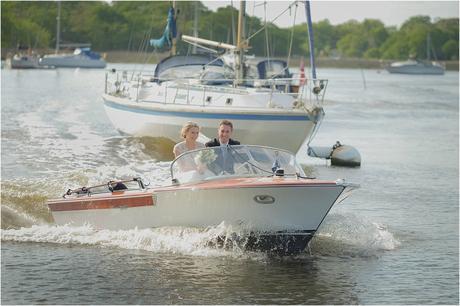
pixel 128 25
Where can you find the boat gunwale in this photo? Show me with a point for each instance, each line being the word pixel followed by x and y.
pixel 229 183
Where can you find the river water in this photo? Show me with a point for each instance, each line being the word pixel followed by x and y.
pixel 394 241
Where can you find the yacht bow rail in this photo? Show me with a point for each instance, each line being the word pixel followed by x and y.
pixel 306 93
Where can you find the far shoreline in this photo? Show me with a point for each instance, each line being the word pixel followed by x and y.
pixel 131 57
pixel 323 62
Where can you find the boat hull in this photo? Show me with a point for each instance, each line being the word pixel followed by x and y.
pixel 23 62
pixel 287 129
pixel 279 216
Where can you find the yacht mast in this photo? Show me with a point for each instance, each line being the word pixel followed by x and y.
pixel 173 47
pixel 195 24
pixel 311 40
pixel 428 44
pixel 240 44
pixel 58 27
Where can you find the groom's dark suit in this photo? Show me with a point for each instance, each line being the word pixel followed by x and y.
pixel 215 143
pixel 224 161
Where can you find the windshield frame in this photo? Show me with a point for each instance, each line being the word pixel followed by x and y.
pixel 257 165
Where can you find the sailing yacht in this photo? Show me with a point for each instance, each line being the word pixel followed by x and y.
pixel 414 66
pixel 267 105
pixel 82 57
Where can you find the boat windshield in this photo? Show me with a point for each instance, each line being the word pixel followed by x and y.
pixel 235 161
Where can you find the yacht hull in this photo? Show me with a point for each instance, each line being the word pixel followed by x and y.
pixel 287 129
pixel 23 62
pixel 276 214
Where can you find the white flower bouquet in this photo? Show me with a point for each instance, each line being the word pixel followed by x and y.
pixel 205 157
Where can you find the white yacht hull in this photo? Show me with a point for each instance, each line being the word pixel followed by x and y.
pixel 274 127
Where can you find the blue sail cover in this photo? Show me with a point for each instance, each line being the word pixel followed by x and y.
pixel 169 33
pixel 92 55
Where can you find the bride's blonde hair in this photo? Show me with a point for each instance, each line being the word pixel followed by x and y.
pixel 187 127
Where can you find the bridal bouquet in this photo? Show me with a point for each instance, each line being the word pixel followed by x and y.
pixel 205 157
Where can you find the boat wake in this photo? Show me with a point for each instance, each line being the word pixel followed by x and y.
pixel 177 240
pixel 352 235
pixel 23 201
pixel 340 236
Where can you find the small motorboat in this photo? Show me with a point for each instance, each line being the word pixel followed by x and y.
pixel 260 189
pixel 23 61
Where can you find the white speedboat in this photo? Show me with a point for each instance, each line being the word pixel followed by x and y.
pixel 80 58
pixel 266 104
pixel 260 189
pixel 416 67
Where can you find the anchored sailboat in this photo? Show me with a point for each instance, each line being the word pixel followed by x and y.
pixel 82 57
pixel 414 66
pixel 266 104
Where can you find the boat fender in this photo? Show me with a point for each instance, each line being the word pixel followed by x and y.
pixel 345 155
pixel 339 154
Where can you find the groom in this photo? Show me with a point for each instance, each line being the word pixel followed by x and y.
pixel 224 158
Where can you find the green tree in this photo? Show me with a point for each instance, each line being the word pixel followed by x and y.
pixel 450 49
pixel 129 25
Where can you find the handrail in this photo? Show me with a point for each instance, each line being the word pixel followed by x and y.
pixel 143 75
pixel 109 184
pixel 312 92
pixel 245 81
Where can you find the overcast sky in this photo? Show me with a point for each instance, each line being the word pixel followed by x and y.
pixel 389 12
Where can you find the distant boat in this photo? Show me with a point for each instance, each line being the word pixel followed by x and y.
pixel 23 61
pixel 416 67
pixel 82 57
pixel 413 66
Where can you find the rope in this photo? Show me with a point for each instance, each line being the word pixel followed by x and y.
pixel 261 29
pixel 266 31
pixel 292 35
